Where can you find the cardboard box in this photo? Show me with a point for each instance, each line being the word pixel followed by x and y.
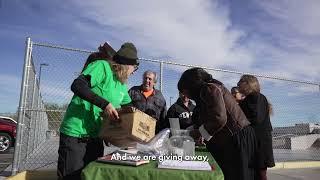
pixel 140 125
pixel 134 126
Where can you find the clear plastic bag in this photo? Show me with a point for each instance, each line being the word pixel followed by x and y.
pixel 158 145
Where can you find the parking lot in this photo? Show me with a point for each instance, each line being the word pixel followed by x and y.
pixel 5 160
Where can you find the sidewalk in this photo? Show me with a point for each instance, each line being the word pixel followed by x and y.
pixel 294 174
pixel 45 157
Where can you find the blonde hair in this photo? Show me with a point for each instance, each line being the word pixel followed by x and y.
pixel 251 84
pixel 270 108
pixel 120 70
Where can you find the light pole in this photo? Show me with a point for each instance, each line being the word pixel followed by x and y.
pixel 170 99
pixel 42 64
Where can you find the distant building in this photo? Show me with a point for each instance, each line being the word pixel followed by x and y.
pixel 300 136
pixel 298 129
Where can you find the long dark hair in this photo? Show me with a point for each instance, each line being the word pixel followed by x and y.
pixel 193 80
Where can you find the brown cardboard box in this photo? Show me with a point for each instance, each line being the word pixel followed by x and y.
pixel 134 126
pixel 140 125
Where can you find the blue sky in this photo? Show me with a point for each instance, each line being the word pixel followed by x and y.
pixel 273 37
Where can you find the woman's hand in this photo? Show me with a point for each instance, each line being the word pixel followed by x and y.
pixel 200 141
pixel 195 134
pixel 111 112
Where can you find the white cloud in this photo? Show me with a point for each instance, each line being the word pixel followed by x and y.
pixel 192 32
pixel 202 33
pixel 294 50
pixel 302 16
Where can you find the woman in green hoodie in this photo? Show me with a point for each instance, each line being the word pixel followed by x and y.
pixel 101 87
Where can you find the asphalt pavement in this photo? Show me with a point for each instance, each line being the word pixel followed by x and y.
pixel 5 161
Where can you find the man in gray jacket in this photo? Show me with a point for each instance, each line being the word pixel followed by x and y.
pixel 150 100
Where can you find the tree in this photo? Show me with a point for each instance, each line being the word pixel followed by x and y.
pixel 55 113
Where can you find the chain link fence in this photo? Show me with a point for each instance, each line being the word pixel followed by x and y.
pixel 49 71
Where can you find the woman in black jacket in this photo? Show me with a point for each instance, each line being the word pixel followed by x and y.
pixel 257 109
pixel 226 130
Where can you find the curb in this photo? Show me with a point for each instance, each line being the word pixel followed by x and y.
pixel 296 165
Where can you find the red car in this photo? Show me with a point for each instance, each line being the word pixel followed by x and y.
pixel 8 131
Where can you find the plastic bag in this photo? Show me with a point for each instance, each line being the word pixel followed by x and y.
pixel 158 144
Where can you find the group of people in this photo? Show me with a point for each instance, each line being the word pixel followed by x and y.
pixel 235 127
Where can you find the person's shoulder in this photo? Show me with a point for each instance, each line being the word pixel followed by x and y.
pixel 104 62
pixel 252 97
pixel 210 88
pixel 192 105
pixel 158 93
pixel 213 86
pixel 263 98
pixel 134 88
pixel 100 62
pixel 99 67
pixel 262 95
pixel 172 107
pixel 255 95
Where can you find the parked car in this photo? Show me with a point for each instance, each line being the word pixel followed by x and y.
pixel 8 131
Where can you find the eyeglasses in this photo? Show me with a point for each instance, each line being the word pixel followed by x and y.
pixel 136 67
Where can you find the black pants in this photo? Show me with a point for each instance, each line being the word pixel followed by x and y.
pixel 75 154
pixel 236 154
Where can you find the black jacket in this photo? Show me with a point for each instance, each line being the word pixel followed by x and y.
pixel 179 110
pixel 256 108
pixel 154 105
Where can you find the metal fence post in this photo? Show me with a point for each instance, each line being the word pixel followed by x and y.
pixel 21 110
pixel 38 119
pixel 161 75
pixel 40 130
pixel 32 116
pixel 35 115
